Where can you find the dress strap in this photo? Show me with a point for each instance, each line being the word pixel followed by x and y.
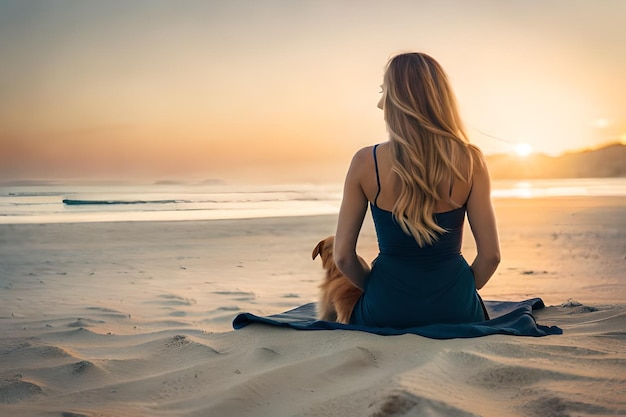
pixel 377 176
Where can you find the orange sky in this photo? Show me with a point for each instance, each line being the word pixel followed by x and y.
pixel 287 90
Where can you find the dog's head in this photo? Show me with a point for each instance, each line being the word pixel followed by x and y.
pixel 325 249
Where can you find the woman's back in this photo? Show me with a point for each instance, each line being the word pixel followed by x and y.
pixel 458 190
pixel 412 285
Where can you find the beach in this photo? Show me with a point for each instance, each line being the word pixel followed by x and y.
pixel 134 319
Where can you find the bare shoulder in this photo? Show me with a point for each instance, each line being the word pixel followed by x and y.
pixel 363 154
pixel 480 181
pixel 362 159
pixel 479 162
pixel 477 155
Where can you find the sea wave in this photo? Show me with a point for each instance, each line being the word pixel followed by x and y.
pixel 71 202
pixel 95 203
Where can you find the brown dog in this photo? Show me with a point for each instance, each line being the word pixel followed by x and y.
pixel 338 294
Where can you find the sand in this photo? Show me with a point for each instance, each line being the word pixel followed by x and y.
pixel 133 319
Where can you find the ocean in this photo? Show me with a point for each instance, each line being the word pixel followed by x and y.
pixel 63 203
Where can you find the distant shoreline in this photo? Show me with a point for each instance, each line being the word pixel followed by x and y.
pixel 606 162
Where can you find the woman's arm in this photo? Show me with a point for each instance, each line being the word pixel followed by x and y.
pixel 483 223
pixel 351 215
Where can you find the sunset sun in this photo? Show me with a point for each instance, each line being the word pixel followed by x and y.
pixel 523 149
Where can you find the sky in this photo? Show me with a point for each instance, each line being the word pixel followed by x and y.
pixel 286 90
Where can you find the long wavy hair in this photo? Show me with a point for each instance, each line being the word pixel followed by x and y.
pixel 427 140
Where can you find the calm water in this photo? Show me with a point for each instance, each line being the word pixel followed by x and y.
pixel 98 203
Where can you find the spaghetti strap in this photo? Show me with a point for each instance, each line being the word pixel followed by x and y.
pixel 377 176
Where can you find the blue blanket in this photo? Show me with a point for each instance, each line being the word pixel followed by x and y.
pixel 507 317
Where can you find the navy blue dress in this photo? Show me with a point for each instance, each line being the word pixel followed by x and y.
pixel 412 286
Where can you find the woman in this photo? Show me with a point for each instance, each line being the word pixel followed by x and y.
pixel 419 185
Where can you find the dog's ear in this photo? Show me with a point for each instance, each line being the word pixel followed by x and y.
pixel 318 249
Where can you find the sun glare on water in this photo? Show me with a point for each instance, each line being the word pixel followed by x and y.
pixel 523 149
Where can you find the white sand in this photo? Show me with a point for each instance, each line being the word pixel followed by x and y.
pixel 133 319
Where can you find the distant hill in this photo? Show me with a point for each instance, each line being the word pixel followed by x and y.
pixel 608 161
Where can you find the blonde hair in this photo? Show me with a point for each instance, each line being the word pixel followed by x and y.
pixel 427 141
